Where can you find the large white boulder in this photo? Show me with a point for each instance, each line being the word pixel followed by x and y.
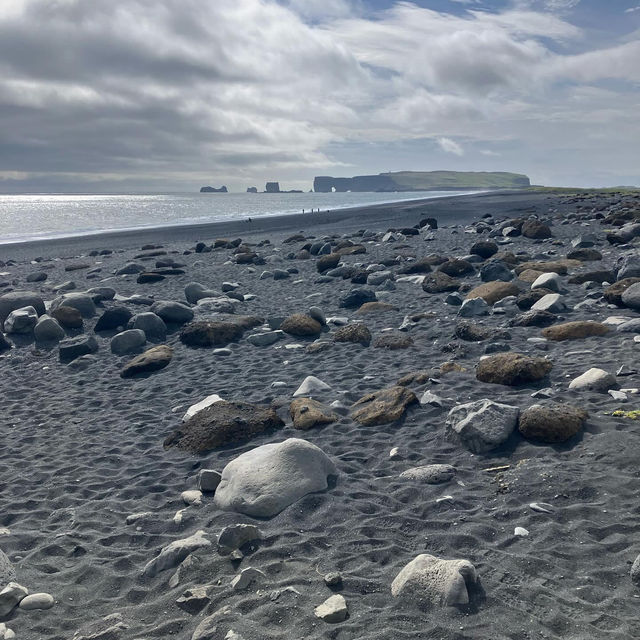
pixel 594 380
pixel 264 481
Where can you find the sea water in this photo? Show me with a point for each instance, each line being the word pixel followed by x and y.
pixel 29 217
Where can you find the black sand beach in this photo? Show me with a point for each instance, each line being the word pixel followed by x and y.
pixel 548 514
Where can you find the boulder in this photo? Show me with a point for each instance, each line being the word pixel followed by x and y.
pixel 594 379
pixel 68 317
pixel 265 338
pixel 492 292
pixel 575 330
pixel 484 249
pixel 265 480
pixel 533 319
pixel 19 299
pixel 199 406
pixel 512 369
pixel 307 413
pixel 217 304
pixel 357 297
pixel 527 299
pixel 433 582
pixel 601 276
pixel 83 302
pixel 551 302
pixel 48 329
pixel 302 325
pixel 551 424
pixel 430 473
pixel 10 598
pixel 174 312
pixel 73 348
pixel 127 341
pixel 21 320
pixel 310 386
pixel 631 326
pixel 153 326
pixel 383 407
pixel 613 293
pixel 440 282
pixel 114 318
pixel 222 423
pixel 174 553
pixel 482 425
pixel 393 341
pixel 584 255
pixel 151 360
pixel 472 332
pixel 535 230
pixel 473 307
pixel 207 333
pixel 456 267
pixel 5 345
pixel 550 281
pixel 629 266
pixel 419 266
pixel 330 261
pixel 235 536
pixel 195 291
pixel 495 270
pixel 357 333
pixel 631 297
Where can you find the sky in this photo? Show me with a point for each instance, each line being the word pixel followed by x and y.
pixel 169 95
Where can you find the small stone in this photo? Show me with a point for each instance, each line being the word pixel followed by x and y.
pixel 520 531
pixel 235 536
pixel 208 480
pixel 192 497
pixel 310 386
pixel 430 473
pixel 333 579
pixel 594 379
pixel 620 396
pixel 245 578
pixel 193 600
pixel 37 601
pixel 333 609
pixel 174 553
pixel 10 597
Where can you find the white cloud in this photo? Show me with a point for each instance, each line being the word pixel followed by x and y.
pixel 632 9
pixel 450 146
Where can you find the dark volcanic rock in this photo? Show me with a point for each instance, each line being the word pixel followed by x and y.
pixel 422 265
pixel 527 299
pixel 357 297
pixel 512 369
pixel 535 230
pixel 534 319
pixel 222 423
pixel 73 348
pixel 484 249
pixel 68 317
pixel 207 333
pixel 593 276
pixel 383 407
pixel 613 294
pixel 113 318
pixel 456 267
pixel 357 333
pixel 584 255
pixel 151 360
pixel 440 282
pixel 551 424
pixel 575 330
pixel 300 324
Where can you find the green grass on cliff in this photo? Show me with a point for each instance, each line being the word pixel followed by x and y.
pixel 428 180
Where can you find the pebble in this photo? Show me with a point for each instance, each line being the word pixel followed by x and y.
pixel 37 601
pixel 333 609
pixel 541 507
pixel 193 497
pixel 394 454
pixel 134 517
pixel 6 633
pixel 520 531
pixel 333 579
pixel 245 578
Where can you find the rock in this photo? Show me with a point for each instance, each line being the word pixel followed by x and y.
pixel 265 480
pixel 440 282
pixel 208 333
pixel 222 423
pixel 631 326
pixel 10 598
pixel 208 480
pixel 456 267
pixel 492 292
pixel 246 578
pixel 195 291
pixel 37 601
pixel 101 294
pixel 635 572
pixel 235 536
pixel 19 299
pixel 5 345
pixel 68 317
pixel 153 326
pixel 199 406
pixel 127 341
pixel 174 553
pixel 512 369
pixel 311 386
pixel 174 312
pixel 109 628
pixel 583 241
pixel 593 276
pixel 218 304
pixel 551 302
pixel 265 339
pixel 21 320
pixel 82 363
pixel 430 473
pixel 375 307
pixel 613 294
pixel 534 319
pixel 495 270
pixel 631 297
pixel 193 600
pixel 383 407
pixel 550 281
pixel 130 268
pixel 594 379
pixel 552 424
pixel 317 314
pixel 472 332
pixel 38 276
pixel 357 333
pixel 560 267
pixel 80 301
pixel 584 255
pixel 357 297
pixel 6 633
pixel 151 360
pixel 629 267
pixel 48 329
pixel 307 413
pixel 393 341
pixel 484 249
pixel 332 579
pixel 434 582
pixel 302 325
pixel 331 261
pixel 482 425
pixel 473 307
pixel 73 348
pixel 113 318
pixel 192 497
pixel 527 299
pixel 333 609
pixel 575 330
pixel 536 230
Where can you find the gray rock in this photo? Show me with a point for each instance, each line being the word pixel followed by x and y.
pixel 7 572
pixel 21 320
pixel 235 536
pixel 635 571
pixel 266 338
pixel 631 326
pixel 333 609
pixel 130 268
pixel 109 628
pixel 245 578
pixel 100 294
pixel 629 267
pixel 193 600
pixel 265 480
pixel 594 379
pixel 430 473
pixel 17 300
pixel 332 579
pixel 37 601
pixel 482 425
pixel 584 241
pixel 375 279
pixel 550 281
pixel 10 598
pixel 219 304
pixel 311 386
pixel 48 329
pixel 174 553
pixel 552 302
pixel 473 307
pixel 280 274
pixel 128 341
pixel 496 270
pixel 195 291
pixel 114 318
pixel 80 301
pixel 153 325
pixel 631 297
pixel 73 348
pixel 82 363
pixel 171 311
pixel 317 314
pixel 435 582
pixel 208 480
pixel 38 276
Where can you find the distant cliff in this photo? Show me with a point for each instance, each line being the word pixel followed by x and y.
pixel 222 189
pixel 423 181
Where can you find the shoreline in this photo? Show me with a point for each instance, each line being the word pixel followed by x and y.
pixel 457 209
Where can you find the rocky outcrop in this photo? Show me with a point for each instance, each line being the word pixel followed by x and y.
pixel 222 189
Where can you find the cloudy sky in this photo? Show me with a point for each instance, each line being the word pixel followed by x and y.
pixel 161 95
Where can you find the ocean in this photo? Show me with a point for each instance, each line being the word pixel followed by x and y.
pixel 30 217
